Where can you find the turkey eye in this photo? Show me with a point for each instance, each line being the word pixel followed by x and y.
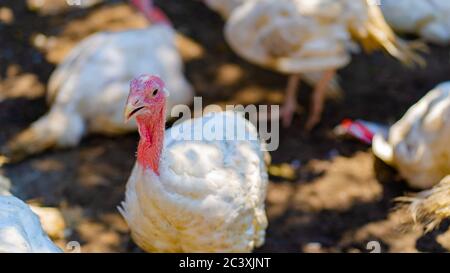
pixel 155 92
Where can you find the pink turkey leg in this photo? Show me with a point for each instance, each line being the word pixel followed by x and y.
pixel 290 101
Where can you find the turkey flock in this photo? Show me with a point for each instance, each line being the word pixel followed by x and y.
pixel 209 193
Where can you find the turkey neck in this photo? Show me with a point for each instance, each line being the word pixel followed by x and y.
pixel 151 129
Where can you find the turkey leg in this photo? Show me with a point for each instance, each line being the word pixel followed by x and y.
pixel 317 99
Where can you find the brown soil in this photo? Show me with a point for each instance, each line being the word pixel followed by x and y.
pixel 341 197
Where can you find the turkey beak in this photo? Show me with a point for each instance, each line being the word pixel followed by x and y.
pixel 131 110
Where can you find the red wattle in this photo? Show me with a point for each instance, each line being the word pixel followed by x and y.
pixel 151 130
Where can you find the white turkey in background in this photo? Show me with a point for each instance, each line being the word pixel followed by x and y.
pixel 225 9
pixel 89 88
pixel 185 195
pixel 302 36
pixel 429 19
pixel 418 145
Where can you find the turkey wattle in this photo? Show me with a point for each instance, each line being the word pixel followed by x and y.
pixel 186 195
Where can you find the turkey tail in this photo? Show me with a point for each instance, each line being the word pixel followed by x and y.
pixel 54 129
pixel 429 208
pixel 378 34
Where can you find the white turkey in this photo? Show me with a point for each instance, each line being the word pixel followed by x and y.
pixel 88 89
pixel 20 229
pixel 430 19
pixel 191 190
pixel 418 145
pixel 304 36
pixel 5 185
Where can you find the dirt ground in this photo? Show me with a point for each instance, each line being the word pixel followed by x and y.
pixel 340 198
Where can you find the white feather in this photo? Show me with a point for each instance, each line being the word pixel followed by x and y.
pixel 209 196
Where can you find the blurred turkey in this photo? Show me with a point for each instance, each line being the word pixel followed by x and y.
pixel 89 88
pixel 187 195
pixel 429 208
pixel 430 19
pixel 303 36
pixel 20 229
pixel 418 145
pixel 226 7
pixel 54 7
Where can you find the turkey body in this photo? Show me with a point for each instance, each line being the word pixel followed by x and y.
pixel 209 196
pixel 418 145
pixel 88 90
pixel 299 36
pixel 430 19
pixel 20 229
